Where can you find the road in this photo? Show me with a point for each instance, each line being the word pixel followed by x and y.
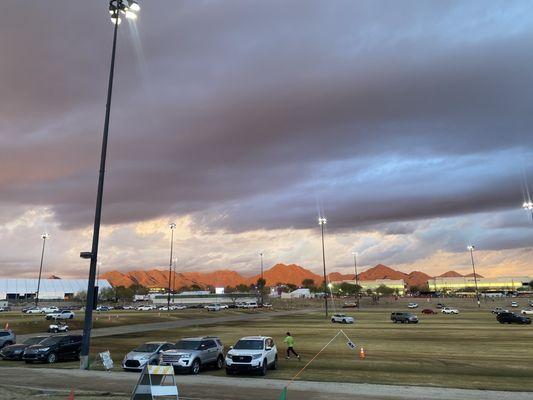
pixel 237 388
pixel 156 326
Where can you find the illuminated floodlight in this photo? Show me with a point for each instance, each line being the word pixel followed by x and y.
pixel 471 247
pixel 172 225
pixel 45 236
pixel 528 205
pixel 322 221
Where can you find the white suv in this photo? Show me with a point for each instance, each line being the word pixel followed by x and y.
pixel 252 353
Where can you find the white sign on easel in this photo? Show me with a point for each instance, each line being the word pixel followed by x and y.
pixel 107 361
pixel 155 381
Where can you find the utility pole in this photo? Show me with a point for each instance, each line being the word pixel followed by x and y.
pixel 172 227
pixel 322 222
pixel 44 236
pixel 357 297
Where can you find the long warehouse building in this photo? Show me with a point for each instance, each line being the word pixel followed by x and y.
pixel 50 289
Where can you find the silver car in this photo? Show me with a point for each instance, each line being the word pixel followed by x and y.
pixel 145 354
pixel 191 354
pixel 7 338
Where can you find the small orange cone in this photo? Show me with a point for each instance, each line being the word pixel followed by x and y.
pixel 71 395
pixel 362 354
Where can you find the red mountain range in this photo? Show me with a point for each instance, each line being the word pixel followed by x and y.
pixel 279 273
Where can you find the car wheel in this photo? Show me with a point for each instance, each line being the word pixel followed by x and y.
pixel 195 367
pixel 343 321
pixel 71 316
pixel 52 358
pixel 264 368
pixel 332 321
pixel 274 365
pixel 220 362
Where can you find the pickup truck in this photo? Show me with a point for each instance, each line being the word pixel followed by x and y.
pixel 65 314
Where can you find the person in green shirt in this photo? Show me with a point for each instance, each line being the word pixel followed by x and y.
pixel 289 341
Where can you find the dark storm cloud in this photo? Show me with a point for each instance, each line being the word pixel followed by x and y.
pixel 257 114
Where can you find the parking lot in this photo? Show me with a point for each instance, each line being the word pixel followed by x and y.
pixel 469 350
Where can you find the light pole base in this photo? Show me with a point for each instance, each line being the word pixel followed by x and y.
pixel 84 362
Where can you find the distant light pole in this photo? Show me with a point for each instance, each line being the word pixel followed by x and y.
pixel 44 236
pixel 356 278
pixel 262 289
pixel 472 248
pixel 129 9
pixel 174 282
pixel 322 222
pixel 528 206
pixel 172 227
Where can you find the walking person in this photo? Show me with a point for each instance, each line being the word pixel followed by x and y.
pixel 289 341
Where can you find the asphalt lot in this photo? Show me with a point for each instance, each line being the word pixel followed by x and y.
pixel 118 384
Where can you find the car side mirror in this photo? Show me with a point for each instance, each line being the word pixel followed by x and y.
pixel 268 348
pixel 231 347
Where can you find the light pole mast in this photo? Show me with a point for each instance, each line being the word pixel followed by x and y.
pixel 172 227
pixel 128 8
pixel 262 279
pixel 471 248
pixel 322 222
pixel 44 236
pixel 357 298
pixel 528 206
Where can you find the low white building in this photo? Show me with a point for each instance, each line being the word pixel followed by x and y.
pixel 50 289
pixel 302 293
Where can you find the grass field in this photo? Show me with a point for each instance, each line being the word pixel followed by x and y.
pixel 469 350
pixel 32 323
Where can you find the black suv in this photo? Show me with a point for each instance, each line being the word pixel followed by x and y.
pixel 53 349
pixel 404 318
pixel 512 318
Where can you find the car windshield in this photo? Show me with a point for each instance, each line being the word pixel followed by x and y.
pixel 249 345
pixel 147 348
pixel 188 344
pixel 50 341
pixel 34 340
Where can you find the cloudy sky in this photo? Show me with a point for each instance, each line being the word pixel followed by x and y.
pixel 409 125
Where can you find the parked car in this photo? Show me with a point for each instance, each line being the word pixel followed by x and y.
pixel 34 310
pixel 514 304
pixel 498 310
pixel 65 314
pixel 15 351
pixel 265 305
pixel 440 305
pixel 252 353
pixel 527 311
pixel 512 318
pixel 7 337
pixel 49 310
pixel 250 304
pixel 342 318
pixel 192 354
pixel 3 309
pixel 213 307
pixel 129 308
pixel 145 308
pixel 449 310
pixel 147 353
pixel 103 308
pixel 53 349
pixel 412 305
pixel 350 304
pixel 429 311
pixel 404 317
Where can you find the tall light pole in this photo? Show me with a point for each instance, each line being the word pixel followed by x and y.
pixel 262 289
pixel 528 206
pixel 172 227
pixel 44 236
pixel 322 222
pixel 174 282
pixel 356 278
pixel 129 9
pixel 471 248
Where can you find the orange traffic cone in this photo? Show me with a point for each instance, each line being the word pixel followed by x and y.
pixel 71 395
pixel 362 354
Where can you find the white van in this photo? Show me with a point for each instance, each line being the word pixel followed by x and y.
pixel 251 304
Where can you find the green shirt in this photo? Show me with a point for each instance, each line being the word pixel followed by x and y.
pixel 290 341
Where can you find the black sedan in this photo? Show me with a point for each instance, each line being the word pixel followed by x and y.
pixel 15 351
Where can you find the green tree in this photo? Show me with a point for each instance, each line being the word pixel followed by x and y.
pixel 308 283
pixel 195 287
pixel 384 290
pixel 242 288
pixel 292 287
pixel 80 296
pixel 107 294
pixel 124 293
pixel 369 292
pixel 139 289
pixel 229 289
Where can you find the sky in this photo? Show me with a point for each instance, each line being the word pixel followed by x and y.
pixel 408 125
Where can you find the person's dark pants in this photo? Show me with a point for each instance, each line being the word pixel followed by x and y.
pixel 289 350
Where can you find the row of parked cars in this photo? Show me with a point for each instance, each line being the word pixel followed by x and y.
pixel 191 355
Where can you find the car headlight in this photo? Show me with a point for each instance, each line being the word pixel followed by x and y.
pixel 43 349
pixel 256 356
pixel 188 355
